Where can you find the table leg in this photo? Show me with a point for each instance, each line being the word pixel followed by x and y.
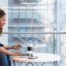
pixel 14 63
pixel 36 63
pixel 29 63
pixel 42 64
pixel 55 63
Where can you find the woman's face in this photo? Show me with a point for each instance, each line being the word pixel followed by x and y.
pixel 2 21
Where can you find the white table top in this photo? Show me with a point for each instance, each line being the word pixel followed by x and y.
pixel 42 57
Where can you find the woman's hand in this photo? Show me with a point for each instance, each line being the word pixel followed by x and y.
pixel 16 46
pixel 3 50
pixel 16 54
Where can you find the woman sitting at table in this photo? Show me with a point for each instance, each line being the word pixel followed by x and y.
pixel 4 53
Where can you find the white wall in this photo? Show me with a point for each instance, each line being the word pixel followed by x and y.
pixel 4 6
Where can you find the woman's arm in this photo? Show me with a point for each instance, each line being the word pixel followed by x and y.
pixel 3 50
pixel 7 47
pixel 16 46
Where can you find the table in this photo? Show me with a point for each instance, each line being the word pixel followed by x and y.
pixel 42 57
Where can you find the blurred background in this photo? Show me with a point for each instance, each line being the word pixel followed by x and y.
pixel 39 22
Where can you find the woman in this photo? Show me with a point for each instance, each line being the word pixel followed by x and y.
pixel 4 53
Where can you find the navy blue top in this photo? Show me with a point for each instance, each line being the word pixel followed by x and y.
pixel 4 59
pixel 1 45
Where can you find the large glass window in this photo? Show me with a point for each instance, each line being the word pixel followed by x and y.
pixel 32 18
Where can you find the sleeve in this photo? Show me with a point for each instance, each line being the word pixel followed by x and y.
pixel 1 45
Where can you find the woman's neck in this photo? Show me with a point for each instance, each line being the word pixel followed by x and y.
pixel 1 30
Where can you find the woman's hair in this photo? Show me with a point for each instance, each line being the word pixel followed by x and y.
pixel 2 13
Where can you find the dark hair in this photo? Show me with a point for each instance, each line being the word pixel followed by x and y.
pixel 2 13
